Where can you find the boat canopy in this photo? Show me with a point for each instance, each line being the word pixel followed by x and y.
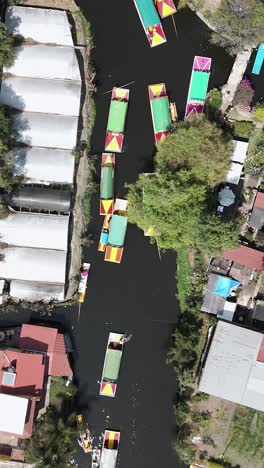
pixel 258 60
pixel 112 365
pixel 161 114
pixel 199 86
pixel 117 230
pixel 106 187
pixel 147 12
pixel 117 116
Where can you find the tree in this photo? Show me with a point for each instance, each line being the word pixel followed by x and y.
pixel 7 51
pixel 171 204
pixel 238 24
pixel 199 146
pixel 214 234
pixel 53 441
pixel 259 112
pixel 214 99
pixel 254 164
pixel 244 93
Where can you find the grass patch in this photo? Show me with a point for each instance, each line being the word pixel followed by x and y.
pixel 246 434
pixel 57 390
pixel 184 272
pixel 89 191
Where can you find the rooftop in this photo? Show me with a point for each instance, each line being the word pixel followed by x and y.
pixel 256 220
pixel 13 411
pixel 234 368
pixel 246 256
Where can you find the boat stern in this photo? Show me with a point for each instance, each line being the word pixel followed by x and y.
pixel 107 389
pixel 114 142
pixel 106 207
pixel 113 254
pixel 165 8
pixel 156 35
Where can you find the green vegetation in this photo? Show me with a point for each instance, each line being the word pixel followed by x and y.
pixel 8 181
pixel 183 276
pixel 214 99
pixel 54 438
pixel 193 4
pixel 242 129
pixel 7 52
pixel 259 112
pixel 254 164
pixel 238 24
pixel 246 434
pixel 215 234
pixel 89 191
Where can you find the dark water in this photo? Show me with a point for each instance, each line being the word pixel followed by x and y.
pixel 138 296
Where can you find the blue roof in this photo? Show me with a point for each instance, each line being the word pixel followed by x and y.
pixel 258 60
pixel 224 286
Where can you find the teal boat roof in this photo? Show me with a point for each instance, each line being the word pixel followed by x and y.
pixel 148 12
pixel 161 114
pixel 117 231
pixel 107 186
pixel 112 365
pixel 117 116
pixel 199 86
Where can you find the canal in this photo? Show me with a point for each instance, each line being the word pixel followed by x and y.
pixel 138 296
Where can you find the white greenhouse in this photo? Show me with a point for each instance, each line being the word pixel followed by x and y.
pixel 33 292
pixel 42 61
pixel 39 25
pixel 44 165
pixel 35 230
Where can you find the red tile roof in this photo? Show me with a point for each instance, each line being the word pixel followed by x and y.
pixel 30 369
pixel 259 200
pixel 246 256
pixel 50 341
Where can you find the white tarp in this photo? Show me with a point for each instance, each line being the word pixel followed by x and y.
pixel 13 411
pixel 31 291
pixel 39 24
pixel 240 151
pixel 44 165
pixel 47 130
pixel 234 173
pixel 41 61
pixel 42 265
pixel 38 95
pixel 35 230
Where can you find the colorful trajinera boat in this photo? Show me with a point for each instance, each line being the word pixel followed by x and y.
pixel 83 281
pixel 112 362
pixel 165 8
pixel 198 86
pixel 110 449
pixel 150 21
pixel 116 120
pixel 117 232
pixel 104 233
pixel 107 184
pixel 160 111
pixel 258 60
pixel 85 438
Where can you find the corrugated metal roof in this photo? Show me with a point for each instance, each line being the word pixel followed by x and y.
pixel 41 61
pixel 231 370
pixel 39 24
pixel 240 151
pixel 234 173
pixel 246 256
pixel 44 165
pixel 35 230
pixel 47 130
pixel 33 292
pixel 42 265
pixel 38 95
pixel 43 199
pixel 212 303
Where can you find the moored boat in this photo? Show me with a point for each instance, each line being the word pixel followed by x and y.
pixel 107 184
pixel 96 455
pixel 258 62
pixel 198 86
pixel 112 362
pixel 83 281
pixel 84 434
pixel 110 449
pixel 117 232
pixel 116 120
pixel 104 233
pixel 150 21
pixel 160 111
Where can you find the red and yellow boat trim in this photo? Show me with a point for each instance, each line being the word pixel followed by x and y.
pixel 113 254
pixel 107 389
pixel 114 142
pixel 155 35
pixel 111 440
pixel 104 233
pixel 165 8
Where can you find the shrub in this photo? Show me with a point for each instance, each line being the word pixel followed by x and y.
pixel 214 99
pixel 259 112
pixel 242 129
